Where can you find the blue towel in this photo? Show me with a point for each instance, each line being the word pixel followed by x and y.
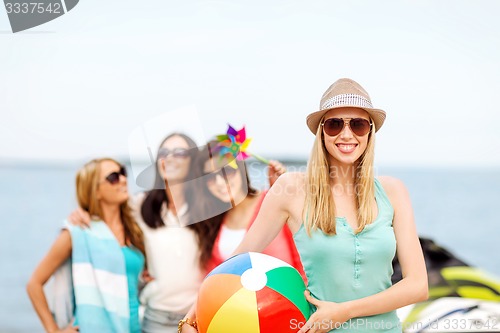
pixel 99 280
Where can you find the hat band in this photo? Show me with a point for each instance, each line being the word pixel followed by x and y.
pixel 347 100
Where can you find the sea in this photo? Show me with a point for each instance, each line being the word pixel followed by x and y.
pixel 456 207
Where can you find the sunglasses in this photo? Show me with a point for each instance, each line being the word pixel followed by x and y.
pixel 114 177
pixel 359 126
pixel 212 176
pixel 176 152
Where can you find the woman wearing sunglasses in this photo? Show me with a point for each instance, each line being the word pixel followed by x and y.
pixel 173 239
pixel 347 224
pixel 106 259
pixel 234 204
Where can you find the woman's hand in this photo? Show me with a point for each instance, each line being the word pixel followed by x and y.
pixel 328 316
pixel 187 327
pixel 79 218
pixel 69 329
pixel 190 319
pixel 275 169
pixel 146 277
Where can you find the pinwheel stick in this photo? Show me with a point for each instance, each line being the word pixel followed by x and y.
pixel 260 158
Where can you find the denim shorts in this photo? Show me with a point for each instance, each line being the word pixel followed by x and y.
pixel 158 321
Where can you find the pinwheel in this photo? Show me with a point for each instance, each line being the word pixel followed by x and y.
pixel 234 144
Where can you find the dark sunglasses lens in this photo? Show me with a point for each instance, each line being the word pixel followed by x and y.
pixel 162 153
pixel 359 126
pixel 333 126
pixel 230 171
pixel 224 173
pixel 178 153
pixel 113 178
pixel 181 153
pixel 123 171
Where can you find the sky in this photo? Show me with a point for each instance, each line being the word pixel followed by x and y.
pixel 80 86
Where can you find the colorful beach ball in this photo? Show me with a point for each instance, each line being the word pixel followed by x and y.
pixel 252 293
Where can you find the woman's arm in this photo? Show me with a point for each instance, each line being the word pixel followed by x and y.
pixel 411 289
pixel 273 215
pixel 57 255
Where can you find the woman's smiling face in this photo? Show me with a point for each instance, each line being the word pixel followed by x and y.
pixel 224 182
pixel 346 147
pixel 174 159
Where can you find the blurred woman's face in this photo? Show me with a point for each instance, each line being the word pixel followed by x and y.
pixel 174 159
pixel 215 178
pixel 112 187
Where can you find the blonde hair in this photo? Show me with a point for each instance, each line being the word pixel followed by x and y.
pixel 319 205
pixel 87 182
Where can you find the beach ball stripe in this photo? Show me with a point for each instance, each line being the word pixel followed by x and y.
pixel 238 314
pixel 265 262
pixel 289 289
pixel 226 287
pixel 233 266
pixel 274 320
pixel 251 293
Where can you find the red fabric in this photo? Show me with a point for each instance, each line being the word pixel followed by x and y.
pixel 282 247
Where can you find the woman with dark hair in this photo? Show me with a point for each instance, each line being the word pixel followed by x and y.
pixel 107 258
pixel 234 204
pixel 171 237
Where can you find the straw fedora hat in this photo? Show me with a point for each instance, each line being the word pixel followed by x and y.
pixel 345 93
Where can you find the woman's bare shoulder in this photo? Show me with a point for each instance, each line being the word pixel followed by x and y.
pixel 293 177
pixel 289 183
pixel 391 184
pixel 395 189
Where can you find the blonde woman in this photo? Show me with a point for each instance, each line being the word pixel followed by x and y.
pixel 347 224
pixel 106 259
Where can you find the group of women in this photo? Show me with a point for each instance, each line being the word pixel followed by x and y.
pixel 337 224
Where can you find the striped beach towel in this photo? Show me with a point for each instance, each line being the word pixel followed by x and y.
pixel 99 280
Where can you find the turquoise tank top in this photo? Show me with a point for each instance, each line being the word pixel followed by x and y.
pixel 349 266
pixel 134 262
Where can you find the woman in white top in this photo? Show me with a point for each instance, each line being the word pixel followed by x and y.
pixel 171 238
